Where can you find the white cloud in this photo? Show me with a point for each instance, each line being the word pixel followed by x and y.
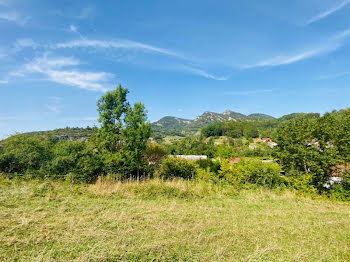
pixel 15 17
pixel 290 59
pixel 59 70
pixel 25 43
pixel 342 35
pixel 132 45
pixel 85 80
pixel 118 44
pixel 10 16
pixel 205 74
pixel 328 12
pixel 44 63
pixel 3 82
pixel 332 44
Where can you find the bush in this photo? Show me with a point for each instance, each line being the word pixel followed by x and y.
pixel 212 165
pixel 264 174
pixel 172 167
pixel 66 157
pixel 25 154
pixel 300 181
pixel 248 173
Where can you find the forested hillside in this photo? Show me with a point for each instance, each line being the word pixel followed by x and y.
pixel 173 126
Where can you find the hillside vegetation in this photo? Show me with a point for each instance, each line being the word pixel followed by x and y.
pixel 173 126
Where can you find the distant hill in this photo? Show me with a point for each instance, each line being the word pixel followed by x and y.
pixel 170 125
pixel 62 134
pixel 174 126
pixel 258 116
pixel 298 116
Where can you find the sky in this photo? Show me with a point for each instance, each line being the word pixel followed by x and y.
pixel 179 58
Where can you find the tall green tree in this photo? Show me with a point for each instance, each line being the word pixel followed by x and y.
pixel 112 108
pixel 124 133
pixel 308 145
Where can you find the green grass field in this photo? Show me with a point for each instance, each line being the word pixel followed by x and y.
pixel 167 221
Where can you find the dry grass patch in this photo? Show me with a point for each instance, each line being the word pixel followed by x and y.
pixel 167 221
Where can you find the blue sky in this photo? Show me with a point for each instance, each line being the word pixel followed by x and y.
pixel 178 57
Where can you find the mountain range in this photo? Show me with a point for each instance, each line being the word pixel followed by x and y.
pixel 170 126
pixel 175 126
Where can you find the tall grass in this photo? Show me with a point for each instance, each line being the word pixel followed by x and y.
pixel 153 188
pixel 155 220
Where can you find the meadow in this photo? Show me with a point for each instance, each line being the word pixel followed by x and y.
pixel 155 220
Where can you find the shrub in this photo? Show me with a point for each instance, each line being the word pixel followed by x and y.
pixel 25 154
pixel 66 156
pixel 155 153
pixel 207 176
pixel 172 167
pixel 250 172
pixel 264 174
pixel 300 181
pixel 212 165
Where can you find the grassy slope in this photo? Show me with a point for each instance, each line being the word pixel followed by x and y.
pixel 43 221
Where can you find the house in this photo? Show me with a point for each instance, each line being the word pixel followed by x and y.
pixel 269 142
pixel 336 176
pixel 268 161
pixel 234 160
pixel 339 170
pixel 272 144
pixel 191 157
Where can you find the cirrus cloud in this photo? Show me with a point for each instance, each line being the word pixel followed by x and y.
pixel 62 70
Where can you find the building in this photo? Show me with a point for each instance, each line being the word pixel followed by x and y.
pixel 272 144
pixel 235 160
pixel 191 157
pixel 336 176
pixel 268 161
pixel 269 142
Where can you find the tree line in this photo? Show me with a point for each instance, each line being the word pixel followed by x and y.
pixel 118 146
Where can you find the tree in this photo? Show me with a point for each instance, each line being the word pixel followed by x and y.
pixel 124 133
pixel 112 108
pixel 343 138
pixel 135 135
pixel 308 145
